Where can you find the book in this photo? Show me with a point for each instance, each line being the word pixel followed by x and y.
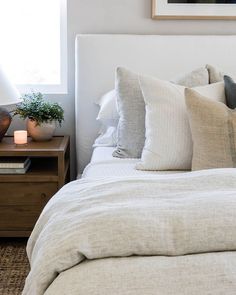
pixel 14 162
pixel 15 170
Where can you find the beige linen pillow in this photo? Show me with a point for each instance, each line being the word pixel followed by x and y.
pixel 168 143
pixel 213 127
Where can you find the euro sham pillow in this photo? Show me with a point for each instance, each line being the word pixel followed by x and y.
pixel 230 92
pixel 131 109
pixel 213 127
pixel 168 144
pixel 215 75
pixel 195 78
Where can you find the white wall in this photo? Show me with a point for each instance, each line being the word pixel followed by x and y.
pixel 119 16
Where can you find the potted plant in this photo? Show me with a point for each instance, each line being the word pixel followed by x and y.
pixel 41 116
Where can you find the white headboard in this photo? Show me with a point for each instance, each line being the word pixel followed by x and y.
pixel 97 57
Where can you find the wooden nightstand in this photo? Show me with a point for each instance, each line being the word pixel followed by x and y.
pixel 22 197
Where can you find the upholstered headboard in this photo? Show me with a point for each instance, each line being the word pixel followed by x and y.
pixel 97 57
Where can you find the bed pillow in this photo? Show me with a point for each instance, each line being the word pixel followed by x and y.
pixel 168 144
pixel 131 108
pixel 108 118
pixel 230 92
pixel 213 127
pixel 107 137
pixel 108 108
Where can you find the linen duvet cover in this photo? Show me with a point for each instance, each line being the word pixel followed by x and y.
pixel 162 234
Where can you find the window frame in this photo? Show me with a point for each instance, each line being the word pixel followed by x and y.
pixel 61 88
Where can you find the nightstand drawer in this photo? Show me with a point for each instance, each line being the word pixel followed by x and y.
pixel 30 193
pixel 21 204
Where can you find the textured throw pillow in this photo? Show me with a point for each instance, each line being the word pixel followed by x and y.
pixel 168 144
pixel 213 127
pixel 131 108
pixel 198 77
pixel 230 92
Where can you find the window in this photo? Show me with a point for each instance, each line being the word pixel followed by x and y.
pixel 33 48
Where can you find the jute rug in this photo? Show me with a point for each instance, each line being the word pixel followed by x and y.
pixel 14 266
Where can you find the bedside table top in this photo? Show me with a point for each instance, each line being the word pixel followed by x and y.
pixel 56 145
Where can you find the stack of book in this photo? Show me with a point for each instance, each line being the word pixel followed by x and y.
pixel 14 165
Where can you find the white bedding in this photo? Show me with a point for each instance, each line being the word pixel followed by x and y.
pixel 169 217
pixel 103 164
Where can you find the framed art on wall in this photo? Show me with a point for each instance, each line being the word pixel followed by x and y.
pixel 194 9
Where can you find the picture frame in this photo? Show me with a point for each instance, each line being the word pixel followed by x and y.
pixel 199 9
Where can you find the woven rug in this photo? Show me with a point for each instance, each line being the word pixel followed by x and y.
pixel 14 266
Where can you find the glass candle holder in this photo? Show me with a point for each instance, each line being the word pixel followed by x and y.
pixel 20 137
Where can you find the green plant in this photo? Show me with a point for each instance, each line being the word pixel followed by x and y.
pixel 36 108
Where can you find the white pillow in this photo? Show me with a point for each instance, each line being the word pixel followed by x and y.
pixel 108 117
pixel 108 108
pixel 107 137
pixel 168 144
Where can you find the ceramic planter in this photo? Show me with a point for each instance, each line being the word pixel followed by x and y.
pixel 5 121
pixel 42 132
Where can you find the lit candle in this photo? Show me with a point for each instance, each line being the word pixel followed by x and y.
pixel 20 137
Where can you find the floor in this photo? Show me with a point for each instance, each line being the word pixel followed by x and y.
pixel 14 266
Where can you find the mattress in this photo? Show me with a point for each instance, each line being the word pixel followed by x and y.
pixel 103 164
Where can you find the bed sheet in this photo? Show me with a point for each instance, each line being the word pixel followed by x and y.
pixel 103 164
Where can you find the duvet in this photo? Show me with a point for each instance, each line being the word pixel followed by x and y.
pixel 166 235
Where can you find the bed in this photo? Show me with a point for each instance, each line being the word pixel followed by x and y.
pixel 121 231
